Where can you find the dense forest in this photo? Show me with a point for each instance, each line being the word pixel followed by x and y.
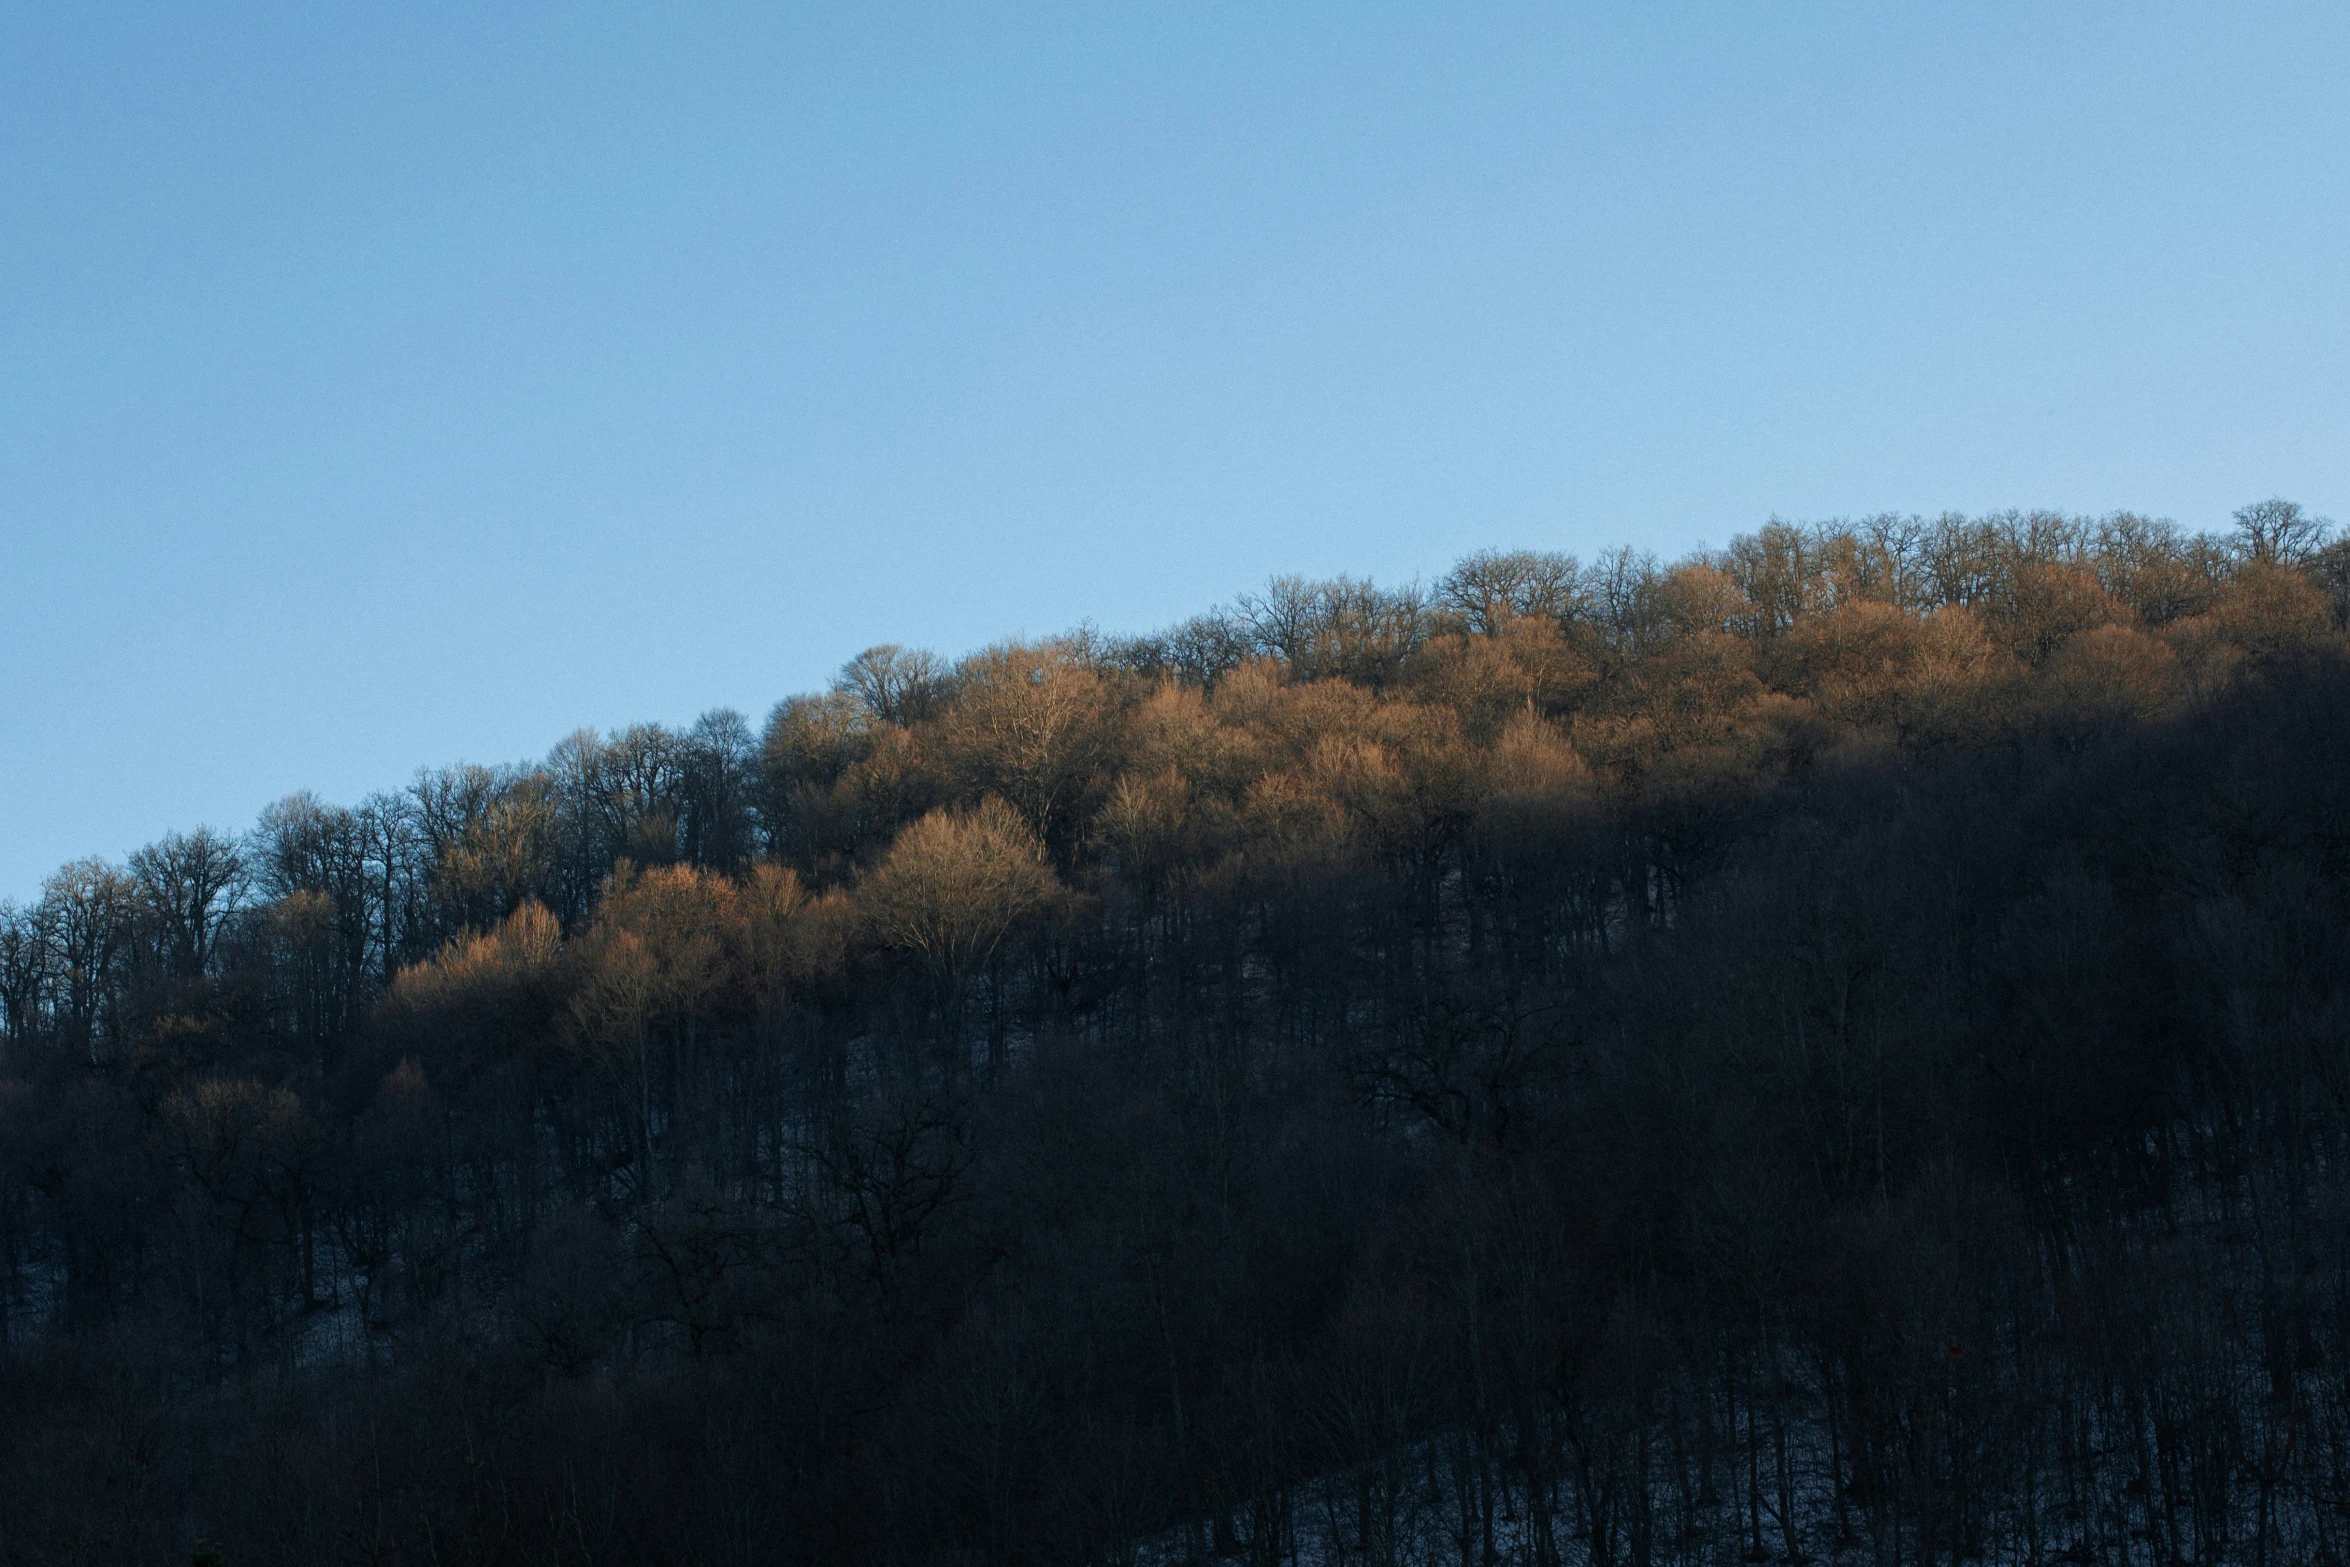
pixel 1837 1048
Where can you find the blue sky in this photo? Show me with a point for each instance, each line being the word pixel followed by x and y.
pixel 386 386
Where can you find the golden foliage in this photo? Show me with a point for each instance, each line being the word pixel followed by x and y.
pixel 1030 726
pixel 954 884
pixel 2049 603
pixel 1520 698
pixel 2270 608
pixel 525 947
pixel 2111 672
pixel 1524 666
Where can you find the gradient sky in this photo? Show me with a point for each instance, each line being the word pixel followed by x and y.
pixel 394 385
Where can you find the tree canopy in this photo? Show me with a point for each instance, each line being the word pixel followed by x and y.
pixel 1830 1047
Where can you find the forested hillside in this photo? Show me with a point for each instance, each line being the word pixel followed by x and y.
pixel 1837 1048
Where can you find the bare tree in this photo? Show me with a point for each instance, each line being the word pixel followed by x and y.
pixel 88 907
pixel 2279 530
pixel 190 883
pixel 718 758
pixel 898 685
pixel 1491 588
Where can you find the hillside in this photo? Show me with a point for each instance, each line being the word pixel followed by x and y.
pixel 1834 1047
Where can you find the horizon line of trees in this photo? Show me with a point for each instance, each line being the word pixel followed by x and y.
pixel 1831 1044
pixel 1888 629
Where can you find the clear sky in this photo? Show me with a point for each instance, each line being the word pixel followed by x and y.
pixel 387 385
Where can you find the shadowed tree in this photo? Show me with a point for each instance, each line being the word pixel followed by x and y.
pixel 716 830
pixel 806 753
pixel 190 883
pixel 87 910
pixel 656 957
pixel 24 971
